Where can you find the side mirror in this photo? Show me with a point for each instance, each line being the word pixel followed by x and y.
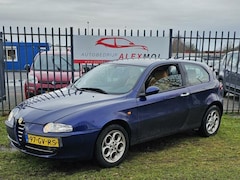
pixel 149 91
pixel 27 67
pixel 152 90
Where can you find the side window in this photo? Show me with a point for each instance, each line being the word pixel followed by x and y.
pixel 234 62
pixel 228 60
pixel 224 61
pixel 196 74
pixel 166 77
pixel 231 61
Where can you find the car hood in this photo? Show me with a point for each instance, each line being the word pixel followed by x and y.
pixel 61 103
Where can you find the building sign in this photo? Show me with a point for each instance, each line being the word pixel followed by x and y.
pixel 98 49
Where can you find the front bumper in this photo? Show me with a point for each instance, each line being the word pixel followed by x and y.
pixel 75 145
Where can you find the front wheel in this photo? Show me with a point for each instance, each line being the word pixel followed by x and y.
pixel 211 121
pixel 112 146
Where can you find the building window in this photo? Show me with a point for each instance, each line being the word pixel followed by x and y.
pixel 10 53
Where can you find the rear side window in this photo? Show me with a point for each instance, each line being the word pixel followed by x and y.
pixel 196 74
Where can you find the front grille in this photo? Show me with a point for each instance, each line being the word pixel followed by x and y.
pixel 20 131
pixel 40 150
pixel 30 148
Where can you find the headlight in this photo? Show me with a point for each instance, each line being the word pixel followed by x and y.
pixel 11 117
pixel 57 127
pixel 32 80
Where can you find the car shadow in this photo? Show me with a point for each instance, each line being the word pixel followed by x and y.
pixel 165 142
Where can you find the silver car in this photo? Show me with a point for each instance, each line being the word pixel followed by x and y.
pixel 229 72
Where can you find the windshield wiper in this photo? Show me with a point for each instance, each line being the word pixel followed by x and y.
pixel 91 89
pixel 95 89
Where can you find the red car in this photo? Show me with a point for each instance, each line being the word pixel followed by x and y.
pixel 50 70
pixel 118 42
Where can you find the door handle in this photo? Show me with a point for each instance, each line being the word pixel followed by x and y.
pixel 184 94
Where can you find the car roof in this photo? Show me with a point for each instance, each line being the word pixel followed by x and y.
pixel 148 61
pixel 140 62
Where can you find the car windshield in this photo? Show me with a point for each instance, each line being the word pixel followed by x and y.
pixel 54 62
pixel 110 78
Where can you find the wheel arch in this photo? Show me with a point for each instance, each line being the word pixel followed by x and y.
pixel 218 104
pixel 119 122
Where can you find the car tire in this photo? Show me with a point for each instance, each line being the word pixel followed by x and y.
pixel 111 146
pixel 211 121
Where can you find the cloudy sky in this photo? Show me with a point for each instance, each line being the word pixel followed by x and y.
pixel 202 15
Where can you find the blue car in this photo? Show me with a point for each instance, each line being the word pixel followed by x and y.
pixel 117 105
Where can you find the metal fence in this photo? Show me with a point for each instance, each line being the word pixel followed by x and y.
pixel 19 46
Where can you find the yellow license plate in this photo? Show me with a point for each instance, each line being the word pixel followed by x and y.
pixel 42 141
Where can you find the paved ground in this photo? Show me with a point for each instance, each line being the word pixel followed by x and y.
pixel 14 89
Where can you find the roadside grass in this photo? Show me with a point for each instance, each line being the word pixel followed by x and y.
pixel 181 156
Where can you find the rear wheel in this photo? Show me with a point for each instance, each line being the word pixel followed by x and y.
pixel 112 146
pixel 211 121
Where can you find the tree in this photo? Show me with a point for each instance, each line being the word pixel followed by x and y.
pixel 181 45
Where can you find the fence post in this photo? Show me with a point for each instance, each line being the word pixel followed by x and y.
pixel 170 43
pixel 2 75
pixel 72 55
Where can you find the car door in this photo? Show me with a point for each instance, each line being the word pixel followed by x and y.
pixel 165 112
pixel 199 85
pixel 231 74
